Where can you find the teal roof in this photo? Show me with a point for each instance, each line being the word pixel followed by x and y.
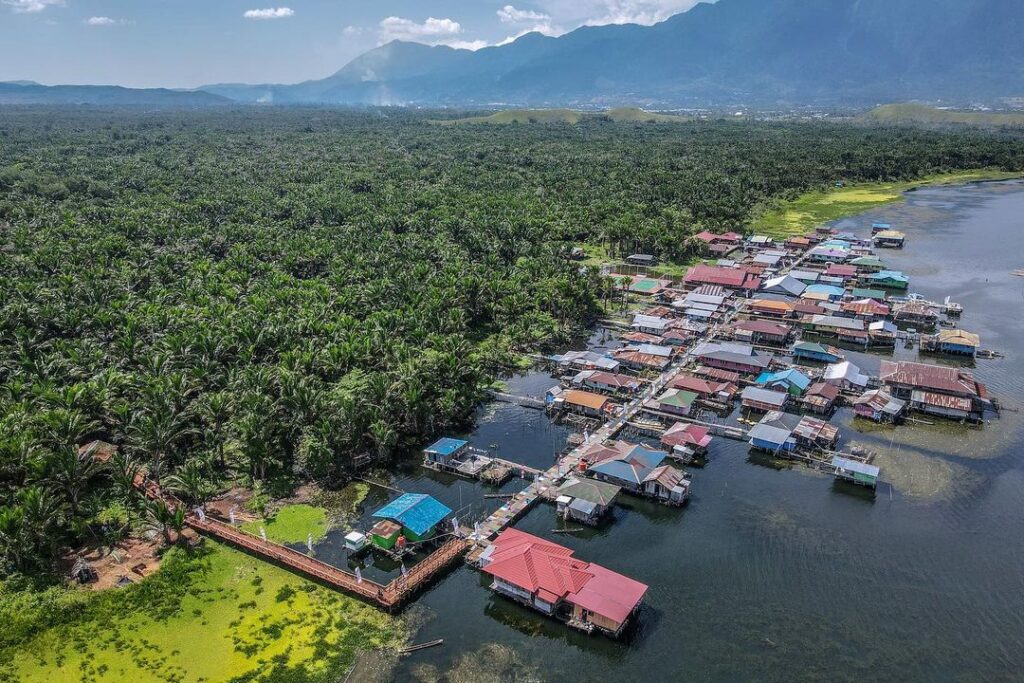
pixel 791 376
pixel 445 446
pixel 868 293
pixel 417 512
pixel 894 275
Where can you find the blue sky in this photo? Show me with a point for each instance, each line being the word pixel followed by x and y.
pixel 186 43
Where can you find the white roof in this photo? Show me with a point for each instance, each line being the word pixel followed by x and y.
pixel 845 370
pixel 651 321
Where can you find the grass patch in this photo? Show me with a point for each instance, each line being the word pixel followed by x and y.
pixel 816 208
pixel 292 524
pixel 209 615
pixel 923 114
pixel 597 255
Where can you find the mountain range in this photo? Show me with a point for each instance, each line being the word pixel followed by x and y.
pixel 758 52
pixel 28 92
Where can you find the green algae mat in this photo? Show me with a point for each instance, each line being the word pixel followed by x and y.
pixel 209 615
pixel 810 210
pixel 293 524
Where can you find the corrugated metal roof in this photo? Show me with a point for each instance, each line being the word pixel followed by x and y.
pixel 445 446
pixel 415 511
pixel 935 377
pixel 585 399
pixel 592 490
pixel 854 466
pixel 776 398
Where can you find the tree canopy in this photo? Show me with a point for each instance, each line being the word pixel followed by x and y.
pixel 272 291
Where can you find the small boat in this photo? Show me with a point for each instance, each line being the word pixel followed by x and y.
pixel 988 353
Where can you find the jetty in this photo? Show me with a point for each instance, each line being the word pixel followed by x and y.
pixel 525 401
pixel 390 596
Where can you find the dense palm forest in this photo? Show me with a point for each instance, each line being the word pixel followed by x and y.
pixel 268 293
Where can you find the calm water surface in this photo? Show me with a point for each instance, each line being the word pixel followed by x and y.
pixel 783 574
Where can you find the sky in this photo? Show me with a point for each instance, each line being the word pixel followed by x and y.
pixel 188 43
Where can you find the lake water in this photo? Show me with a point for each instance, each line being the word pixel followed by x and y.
pixel 783 574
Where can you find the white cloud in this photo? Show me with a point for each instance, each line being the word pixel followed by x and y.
pixel 28 6
pixel 510 15
pixel 101 21
pixel 432 31
pixel 270 13
pixel 352 31
pixel 600 12
pixel 536 22
pixel 473 45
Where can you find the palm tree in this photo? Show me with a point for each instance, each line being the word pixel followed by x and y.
pixel 125 471
pixel 156 434
pixel 165 519
pixel 383 437
pixel 191 482
pixel 70 473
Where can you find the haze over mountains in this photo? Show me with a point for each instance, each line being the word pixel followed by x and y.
pixel 769 52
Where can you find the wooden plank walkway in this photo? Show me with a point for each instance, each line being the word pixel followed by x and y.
pixel 389 597
pixel 542 486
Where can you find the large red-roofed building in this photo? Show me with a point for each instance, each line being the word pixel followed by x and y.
pixel 729 278
pixel 545 576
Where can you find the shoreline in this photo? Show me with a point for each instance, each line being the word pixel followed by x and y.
pixel 811 209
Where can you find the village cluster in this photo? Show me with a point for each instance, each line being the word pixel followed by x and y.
pixel 763 325
pixel 762 328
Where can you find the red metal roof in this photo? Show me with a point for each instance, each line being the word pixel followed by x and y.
pixel 825 390
pixel 612 380
pixel 764 327
pixel 936 377
pixel 733 278
pixel 866 307
pixel 841 270
pixel 550 571
pixel 718 373
pixel 681 434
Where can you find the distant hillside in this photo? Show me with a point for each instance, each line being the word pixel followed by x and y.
pixel 525 116
pixel 33 93
pixel 921 114
pixel 732 52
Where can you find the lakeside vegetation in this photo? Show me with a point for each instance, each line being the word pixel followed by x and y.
pixel 213 614
pixel 257 298
pixel 797 216
pixel 292 524
pixel 920 114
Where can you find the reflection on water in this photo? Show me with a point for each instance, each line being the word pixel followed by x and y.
pixel 780 574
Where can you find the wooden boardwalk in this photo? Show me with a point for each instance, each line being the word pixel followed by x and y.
pixel 546 482
pixel 390 596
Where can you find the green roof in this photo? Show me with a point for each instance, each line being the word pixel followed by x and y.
pixel 679 399
pixel 868 293
pixel 591 490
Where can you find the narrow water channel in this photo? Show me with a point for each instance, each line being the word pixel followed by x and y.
pixel 784 574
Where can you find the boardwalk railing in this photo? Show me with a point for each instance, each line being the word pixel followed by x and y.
pixel 389 597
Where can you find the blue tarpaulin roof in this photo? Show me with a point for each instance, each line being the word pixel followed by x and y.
pixel 791 376
pixel 417 512
pixel 446 446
